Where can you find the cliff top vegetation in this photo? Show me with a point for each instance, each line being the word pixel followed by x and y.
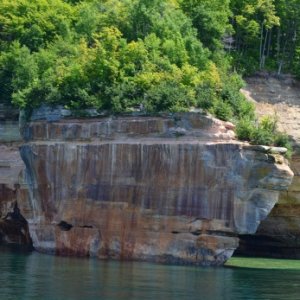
pixel 162 55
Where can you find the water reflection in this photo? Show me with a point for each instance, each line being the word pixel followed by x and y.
pixel 37 276
pixel 266 284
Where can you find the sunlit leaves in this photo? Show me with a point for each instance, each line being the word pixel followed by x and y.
pixel 116 55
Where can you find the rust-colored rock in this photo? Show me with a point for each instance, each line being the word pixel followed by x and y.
pixel 174 189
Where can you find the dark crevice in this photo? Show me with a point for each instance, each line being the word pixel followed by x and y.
pixel 64 226
pixel 265 246
pixel 86 226
pixel 213 232
pixel 14 229
pixel 196 232
pixel 15 215
pixel 209 232
pixel 221 233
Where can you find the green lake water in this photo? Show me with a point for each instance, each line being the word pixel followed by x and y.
pixel 45 277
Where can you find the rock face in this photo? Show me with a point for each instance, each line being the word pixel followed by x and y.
pixel 174 189
pixel 13 227
pixel 279 234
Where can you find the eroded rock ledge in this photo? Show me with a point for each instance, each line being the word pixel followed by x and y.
pixel 278 235
pixel 174 189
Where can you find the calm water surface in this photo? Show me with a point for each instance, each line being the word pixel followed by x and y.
pixel 35 276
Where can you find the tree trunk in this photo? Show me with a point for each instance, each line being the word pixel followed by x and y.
pixel 278 42
pixel 269 43
pixel 263 56
pixel 261 46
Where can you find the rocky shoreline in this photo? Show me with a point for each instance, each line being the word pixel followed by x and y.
pixel 173 189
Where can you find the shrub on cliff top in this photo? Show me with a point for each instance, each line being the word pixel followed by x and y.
pixel 263 132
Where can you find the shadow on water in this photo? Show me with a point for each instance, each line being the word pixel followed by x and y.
pixel 36 276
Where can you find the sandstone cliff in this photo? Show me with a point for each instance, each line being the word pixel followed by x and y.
pixel 279 234
pixel 13 227
pixel 175 189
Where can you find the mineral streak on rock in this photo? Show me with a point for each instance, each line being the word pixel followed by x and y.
pixel 13 227
pixel 167 189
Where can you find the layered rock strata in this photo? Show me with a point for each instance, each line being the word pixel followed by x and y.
pixel 13 227
pixel 279 234
pixel 172 189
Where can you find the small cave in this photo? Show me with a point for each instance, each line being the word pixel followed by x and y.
pixel 64 226
pixel 14 229
pixel 254 245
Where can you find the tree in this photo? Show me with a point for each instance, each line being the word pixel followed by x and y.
pixel 33 23
pixel 287 36
pixel 118 54
pixel 253 22
pixel 211 18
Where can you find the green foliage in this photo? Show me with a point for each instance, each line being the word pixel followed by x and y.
pixel 266 35
pixel 223 111
pixel 263 133
pixel 206 97
pixel 245 129
pixel 210 18
pixel 113 55
pixel 33 23
pixel 260 136
pixel 118 55
pixel 230 94
pixel 246 64
pixel 283 140
pixel 264 263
